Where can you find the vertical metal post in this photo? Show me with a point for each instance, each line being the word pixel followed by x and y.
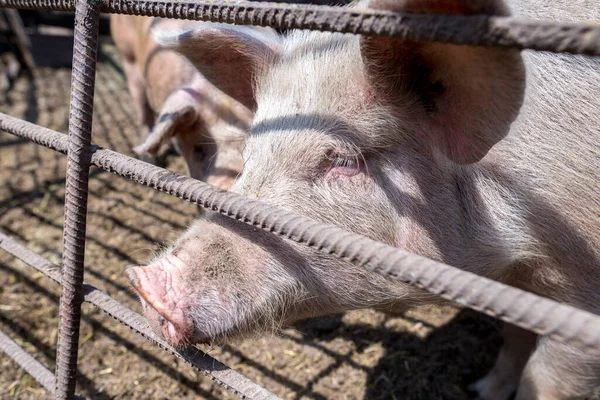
pixel 78 163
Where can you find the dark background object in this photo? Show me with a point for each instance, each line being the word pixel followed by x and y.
pixel 49 37
pixel 45 38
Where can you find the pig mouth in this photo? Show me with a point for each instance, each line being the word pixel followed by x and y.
pixel 161 304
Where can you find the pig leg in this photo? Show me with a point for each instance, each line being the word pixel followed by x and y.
pixel 557 371
pixel 502 381
pixel 144 114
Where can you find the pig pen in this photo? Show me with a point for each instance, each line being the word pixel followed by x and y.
pixel 427 353
pixel 430 353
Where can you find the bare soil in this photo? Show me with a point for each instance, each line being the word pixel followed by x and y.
pixel 430 353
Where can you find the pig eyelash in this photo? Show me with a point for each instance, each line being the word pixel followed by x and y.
pixel 347 166
pixel 344 162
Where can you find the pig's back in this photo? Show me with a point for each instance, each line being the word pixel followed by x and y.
pixel 165 70
pixel 556 10
pixel 554 145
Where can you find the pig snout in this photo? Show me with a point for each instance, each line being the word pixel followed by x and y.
pixel 207 288
pixel 224 280
pixel 162 297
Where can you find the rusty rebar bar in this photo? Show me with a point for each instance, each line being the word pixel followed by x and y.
pixel 212 368
pixel 85 46
pixel 582 38
pixel 27 362
pixel 559 321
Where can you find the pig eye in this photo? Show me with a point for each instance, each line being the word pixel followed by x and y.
pixel 347 166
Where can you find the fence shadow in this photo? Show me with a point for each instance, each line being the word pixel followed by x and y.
pixel 440 366
pixel 86 383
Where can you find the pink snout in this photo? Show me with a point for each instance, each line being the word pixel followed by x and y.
pixel 159 286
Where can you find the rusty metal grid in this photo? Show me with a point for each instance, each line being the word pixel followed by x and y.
pixel 33 367
pixel 582 38
pixel 215 370
pixel 540 315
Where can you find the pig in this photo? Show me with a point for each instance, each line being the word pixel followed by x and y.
pixel 483 158
pixel 175 103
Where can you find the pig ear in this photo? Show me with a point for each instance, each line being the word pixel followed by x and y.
pixel 228 56
pixel 179 112
pixel 470 94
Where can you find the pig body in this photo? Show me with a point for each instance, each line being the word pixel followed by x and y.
pixel 175 103
pixel 483 158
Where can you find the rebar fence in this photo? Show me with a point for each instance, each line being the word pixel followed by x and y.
pixel 526 310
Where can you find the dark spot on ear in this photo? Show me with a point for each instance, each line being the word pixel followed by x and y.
pixel 422 85
pixel 428 97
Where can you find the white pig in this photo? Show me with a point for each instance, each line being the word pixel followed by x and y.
pixel 175 103
pixel 483 158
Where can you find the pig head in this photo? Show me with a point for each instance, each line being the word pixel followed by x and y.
pixel 175 104
pixel 363 133
pixel 407 143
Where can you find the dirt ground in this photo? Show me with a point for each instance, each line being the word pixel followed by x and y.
pixel 431 353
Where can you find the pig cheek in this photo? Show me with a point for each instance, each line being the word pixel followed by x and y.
pixel 413 237
pixel 212 316
pixel 349 192
pixel 227 290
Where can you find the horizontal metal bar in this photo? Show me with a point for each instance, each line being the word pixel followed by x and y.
pixel 537 314
pixel 215 370
pixel 32 366
pixel 582 38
